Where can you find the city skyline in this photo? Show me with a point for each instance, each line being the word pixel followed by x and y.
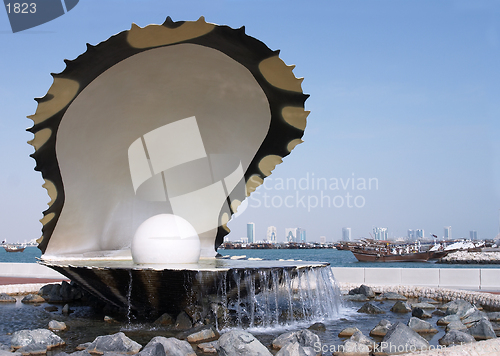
pixel 403 130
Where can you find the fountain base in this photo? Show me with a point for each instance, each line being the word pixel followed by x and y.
pixel 223 292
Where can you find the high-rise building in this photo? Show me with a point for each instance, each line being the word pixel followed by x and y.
pixel 271 234
pixel 447 232
pixel 380 233
pixel 346 234
pixel 251 232
pixel 419 233
pixel 301 235
pixel 322 240
pixel 473 235
pixel 411 234
pixel 291 234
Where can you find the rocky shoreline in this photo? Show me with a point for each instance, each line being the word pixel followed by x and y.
pixel 465 257
pixel 469 318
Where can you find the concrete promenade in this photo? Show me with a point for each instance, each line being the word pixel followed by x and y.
pixel 474 279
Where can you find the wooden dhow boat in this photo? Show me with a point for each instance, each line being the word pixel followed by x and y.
pixel 369 250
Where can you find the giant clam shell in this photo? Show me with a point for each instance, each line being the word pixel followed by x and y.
pixel 147 96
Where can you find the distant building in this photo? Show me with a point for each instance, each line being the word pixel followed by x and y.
pixel 271 234
pixel 291 234
pixel 301 235
pixel 251 232
pixel 447 232
pixel 346 234
pixel 473 235
pixel 322 240
pixel 244 240
pixel 419 233
pixel 380 233
pixel 411 234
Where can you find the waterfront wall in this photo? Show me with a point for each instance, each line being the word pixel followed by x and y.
pixel 28 270
pixel 479 279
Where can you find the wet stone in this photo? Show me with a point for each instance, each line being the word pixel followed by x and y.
pixel 164 319
pixel 183 322
pixel 456 337
pixel 381 329
pixel 369 308
pixel 318 327
pixel 456 325
pixel 424 305
pixel 364 290
pixel 494 316
pixel 304 338
pixel 118 342
pixel 482 330
pixel 208 347
pixel 33 298
pixel 355 298
pixel 448 319
pixel 208 333
pixel 403 339
pixel 427 300
pixel 238 342
pixel 348 332
pixel 5 298
pixel 401 307
pixel 57 325
pixel 420 313
pixel 51 308
pixel 37 337
pixel 459 307
pixel 390 296
pixel 421 326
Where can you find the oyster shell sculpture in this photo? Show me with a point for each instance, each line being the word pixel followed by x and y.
pixel 148 142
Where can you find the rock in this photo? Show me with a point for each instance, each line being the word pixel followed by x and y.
pixel 43 337
pixel 456 325
pixel 57 325
pixel 295 349
pixel 420 313
pixel 118 343
pixel 493 316
pixel 355 298
pixel 33 298
pixel 358 336
pixel 459 307
pixel 8 353
pixel 424 305
pixel 427 300
pixel 456 337
pixel 304 338
pixel 51 308
pixel 183 322
pixel 208 347
pixel 369 308
pixel 381 329
pixel 239 343
pixel 401 307
pixel 448 319
pixel 195 312
pixel 400 338
pixel 4 347
pixel 348 332
pixel 5 298
pixel 390 296
pixel 65 310
pixel 363 289
pixel 351 347
pixel 318 327
pixel 45 290
pixel 482 330
pixel 110 320
pixel 438 312
pixel 207 333
pixel 421 326
pixel 33 349
pixel 83 346
pixel 171 347
pixel 474 317
pixel 165 319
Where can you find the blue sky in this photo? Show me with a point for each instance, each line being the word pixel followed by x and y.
pixel 402 92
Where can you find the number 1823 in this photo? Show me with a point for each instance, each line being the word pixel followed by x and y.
pixel 21 8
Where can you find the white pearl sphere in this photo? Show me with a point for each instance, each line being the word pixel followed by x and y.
pixel 165 238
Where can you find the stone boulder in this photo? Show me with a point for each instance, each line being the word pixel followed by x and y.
pixel 295 349
pixel 474 317
pixel 494 316
pixel 57 325
pixel 240 343
pixel 421 326
pixel 447 319
pixel 420 313
pixel 206 333
pixel 5 298
pixel 423 305
pixel 381 329
pixel 456 325
pixel 183 322
pixel 369 308
pixel 165 320
pixel 348 332
pixel 351 347
pixel 208 347
pixel 318 327
pixel 482 330
pixel 33 298
pixel 400 338
pixel 356 298
pixel 35 339
pixel 459 307
pixel 161 346
pixel 304 338
pixel 391 296
pixel 427 300
pixel 456 337
pixel 401 307
pixel 118 343
pixel 363 289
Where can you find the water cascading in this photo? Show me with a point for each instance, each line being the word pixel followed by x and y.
pixel 148 144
